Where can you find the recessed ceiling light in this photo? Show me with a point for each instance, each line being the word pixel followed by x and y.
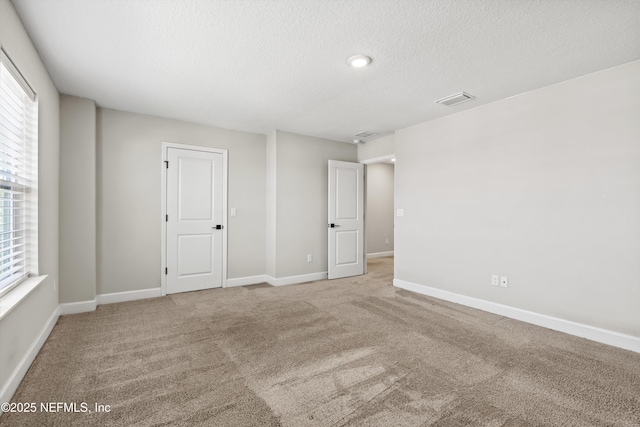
pixel 359 61
pixel 393 160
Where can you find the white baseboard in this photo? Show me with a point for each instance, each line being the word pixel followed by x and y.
pixel 292 280
pixel 77 307
pixel 604 336
pixel 244 281
pixel 128 296
pixel 20 371
pixel 379 254
pixel 90 305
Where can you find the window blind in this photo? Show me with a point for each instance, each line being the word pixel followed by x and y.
pixel 18 174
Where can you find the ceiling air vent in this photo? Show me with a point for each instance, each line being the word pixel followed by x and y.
pixel 365 134
pixel 455 99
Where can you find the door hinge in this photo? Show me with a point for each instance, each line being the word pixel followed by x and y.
pixel 166 162
pixel 166 270
pixel 166 218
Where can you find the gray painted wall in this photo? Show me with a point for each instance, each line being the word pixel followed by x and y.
pixel 290 223
pixel 271 204
pixel 301 200
pixel 379 221
pixel 21 327
pixel 77 199
pixel 129 197
pixel 542 188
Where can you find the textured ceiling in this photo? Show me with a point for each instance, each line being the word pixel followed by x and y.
pixel 264 65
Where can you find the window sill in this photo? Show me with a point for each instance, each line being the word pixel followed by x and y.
pixel 12 298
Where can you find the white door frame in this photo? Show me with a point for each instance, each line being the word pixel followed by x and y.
pixel 378 159
pixel 163 241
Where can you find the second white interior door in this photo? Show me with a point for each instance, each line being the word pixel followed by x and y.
pixel 346 219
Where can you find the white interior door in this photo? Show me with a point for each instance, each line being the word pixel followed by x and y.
pixel 195 220
pixel 346 219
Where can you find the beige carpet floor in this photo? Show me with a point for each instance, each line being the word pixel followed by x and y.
pixel 344 352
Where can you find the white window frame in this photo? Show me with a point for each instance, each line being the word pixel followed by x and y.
pixel 18 178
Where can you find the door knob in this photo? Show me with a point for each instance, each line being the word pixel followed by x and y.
pixel 218 227
pixel 333 225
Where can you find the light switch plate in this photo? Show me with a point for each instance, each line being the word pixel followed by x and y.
pixel 400 212
pixel 495 280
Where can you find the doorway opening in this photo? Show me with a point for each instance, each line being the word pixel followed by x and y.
pixel 379 209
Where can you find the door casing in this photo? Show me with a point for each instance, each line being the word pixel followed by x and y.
pixel 163 242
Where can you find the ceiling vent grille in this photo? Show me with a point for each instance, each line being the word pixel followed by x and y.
pixel 455 99
pixel 365 134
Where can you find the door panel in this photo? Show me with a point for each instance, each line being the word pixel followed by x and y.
pixel 195 189
pixel 346 189
pixel 346 214
pixel 194 209
pixel 194 254
pixel 346 247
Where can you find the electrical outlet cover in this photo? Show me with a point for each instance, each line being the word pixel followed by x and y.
pixel 504 282
pixel 495 280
